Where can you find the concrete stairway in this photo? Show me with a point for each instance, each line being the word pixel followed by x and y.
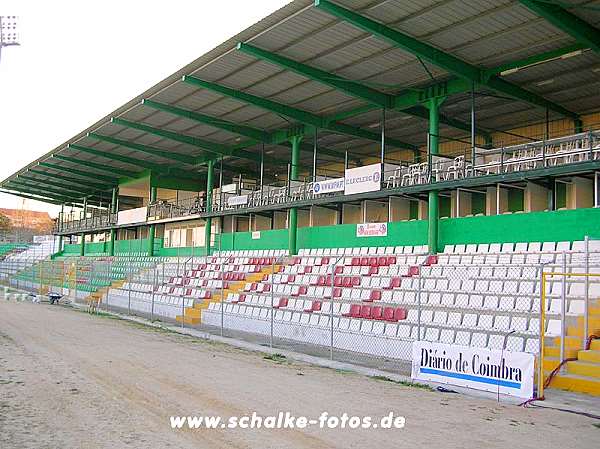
pixel 193 315
pixel 581 375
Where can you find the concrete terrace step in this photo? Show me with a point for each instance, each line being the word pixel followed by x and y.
pixel 589 356
pixel 577 383
pixel 584 368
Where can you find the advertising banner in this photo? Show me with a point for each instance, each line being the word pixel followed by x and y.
pixel 256 235
pixel 507 372
pixel 371 230
pixel 363 179
pixel 240 200
pixel 328 186
pixel 131 216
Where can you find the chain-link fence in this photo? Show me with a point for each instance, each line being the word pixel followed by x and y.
pixel 360 305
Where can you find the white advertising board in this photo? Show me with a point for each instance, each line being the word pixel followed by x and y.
pixel 137 215
pixel 328 186
pixel 510 373
pixel 363 179
pixel 240 200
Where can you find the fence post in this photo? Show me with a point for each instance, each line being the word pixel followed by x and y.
pixel 222 288
pixel 563 307
pixel 153 290
pixel 587 288
pixel 419 305
pixel 272 302
pixel 222 305
pixel 542 332
pixel 331 310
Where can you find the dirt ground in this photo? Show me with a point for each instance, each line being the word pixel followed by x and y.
pixel 70 380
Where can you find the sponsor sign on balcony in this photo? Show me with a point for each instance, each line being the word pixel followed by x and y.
pixel 506 372
pixel 328 186
pixel 240 200
pixel 131 216
pixel 363 179
pixel 256 235
pixel 371 230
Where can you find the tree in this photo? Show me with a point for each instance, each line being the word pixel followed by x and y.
pixel 5 225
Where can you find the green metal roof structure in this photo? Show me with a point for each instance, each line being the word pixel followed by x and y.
pixel 327 70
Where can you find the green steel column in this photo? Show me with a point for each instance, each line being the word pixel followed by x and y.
pixel 113 234
pixel 293 217
pixel 209 192
pixel 434 210
pixel 152 229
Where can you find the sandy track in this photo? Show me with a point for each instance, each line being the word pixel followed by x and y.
pixel 69 380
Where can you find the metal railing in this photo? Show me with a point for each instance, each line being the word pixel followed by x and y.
pixel 568 150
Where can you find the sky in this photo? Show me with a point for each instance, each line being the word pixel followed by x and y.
pixel 80 60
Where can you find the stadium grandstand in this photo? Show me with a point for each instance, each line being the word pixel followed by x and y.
pixel 347 178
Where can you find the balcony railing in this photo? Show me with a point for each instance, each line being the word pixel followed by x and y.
pixel 568 150
pixel 96 221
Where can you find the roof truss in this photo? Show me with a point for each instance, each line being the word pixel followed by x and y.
pixel 439 58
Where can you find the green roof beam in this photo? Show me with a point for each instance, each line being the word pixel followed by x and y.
pixel 212 147
pixel 567 22
pixel 165 154
pixel 96 166
pixel 117 157
pixel 215 122
pixel 347 86
pixel 350 87
pixel 59 195
pixel 31 197
pixel 448 62
pixel 305 117
pixel 60 185
pixel 77 181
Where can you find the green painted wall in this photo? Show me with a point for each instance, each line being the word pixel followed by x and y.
pixel 273 239
pixel 524 227
pixel 399 233
pixel 535 226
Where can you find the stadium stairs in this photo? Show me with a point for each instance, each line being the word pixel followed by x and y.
pixel 582 373
pixel 193 315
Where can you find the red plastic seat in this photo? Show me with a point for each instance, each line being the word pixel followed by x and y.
pixel 376 313
pixel 365 312
pixel 283 302
pixel 324 260
pixel 373 270
pixel 388 314
pixel 339 269
pixel 375 295
pixel 338 281
pixel 315 307
pixel 301 291
pixel 395 282
pixel 188 292
pixel 355 261
pixel 354 311
pixel 291 278
pixel 399 314
pixel 382 261
pixel 355 281
pixel 431 260
pixel 413 271
pixel 337 292
pixel 347 282
pixel 391 260
pixel 364 261
pixel 253 286
pixel 307 269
